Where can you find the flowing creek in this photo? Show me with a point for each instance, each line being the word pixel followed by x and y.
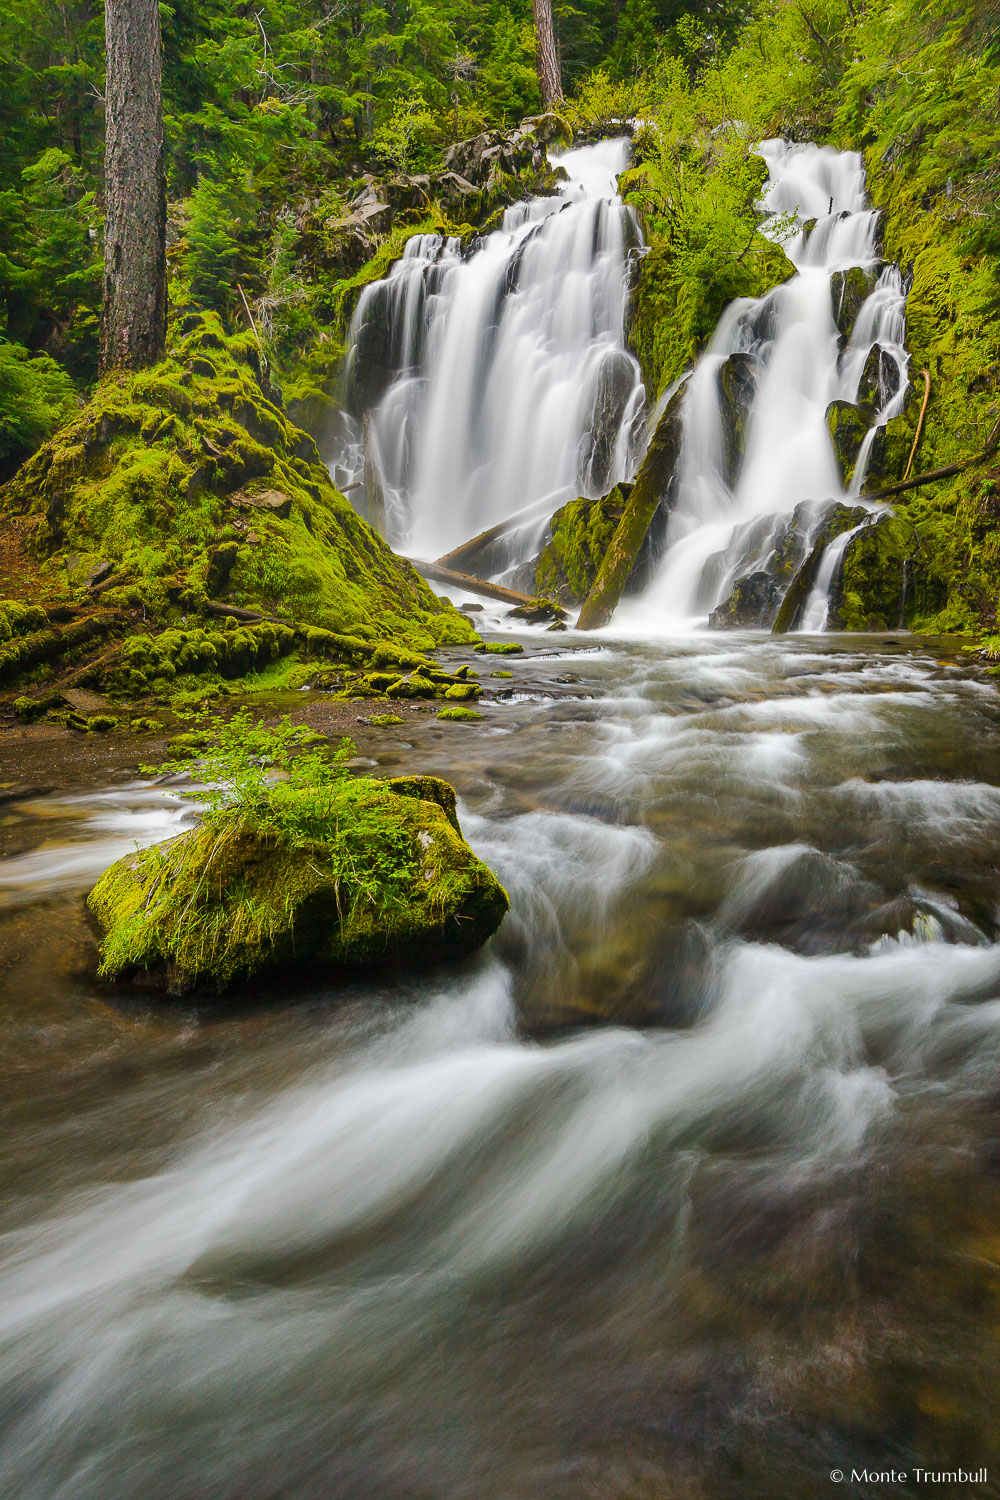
pixel 443 1238
pixel 689 1184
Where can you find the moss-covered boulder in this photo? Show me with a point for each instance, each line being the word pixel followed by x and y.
pixel 579 537
pixel 391 883
pixel 877 585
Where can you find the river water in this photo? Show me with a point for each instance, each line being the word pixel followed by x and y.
pixel 446 1237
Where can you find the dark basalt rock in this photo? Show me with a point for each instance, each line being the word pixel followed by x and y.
pixel 615 383
pixel 879 380
pixel 752 605
pixel 850 290
pixel 737 385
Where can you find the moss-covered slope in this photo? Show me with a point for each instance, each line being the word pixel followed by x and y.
pixel 186 485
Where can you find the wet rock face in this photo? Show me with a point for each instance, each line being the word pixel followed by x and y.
pixel 614 386
pixel 848 424
pixel 752 605
pixel 223 902
pixel 737 387
pixel 879 582
pixel 837 519
pixel 850 290
pixel 879 380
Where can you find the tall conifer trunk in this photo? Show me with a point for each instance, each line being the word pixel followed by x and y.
pixel 134 312
pixel 546 55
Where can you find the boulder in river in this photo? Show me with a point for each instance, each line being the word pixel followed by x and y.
pixel 390 883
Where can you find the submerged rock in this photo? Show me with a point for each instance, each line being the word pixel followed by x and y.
pixel 392 883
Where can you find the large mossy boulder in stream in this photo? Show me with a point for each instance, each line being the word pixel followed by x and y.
pixel 381 878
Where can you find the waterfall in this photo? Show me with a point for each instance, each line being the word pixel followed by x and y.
pixel 494 378
pixel 786 360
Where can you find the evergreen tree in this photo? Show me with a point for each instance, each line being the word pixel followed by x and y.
pixel 134 310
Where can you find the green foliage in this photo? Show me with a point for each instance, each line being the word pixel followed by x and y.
pixel 699 204
pixel 36 396
pixel 225 244
pixel 276 782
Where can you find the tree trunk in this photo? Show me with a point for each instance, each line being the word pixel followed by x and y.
pixel 546 55
pixel 134 313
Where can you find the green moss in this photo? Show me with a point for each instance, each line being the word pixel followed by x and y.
pixel 145 725
pixel 499 648
pixel 162 466
pixel 18 619
pixel 223 903
pixel 580 533
pixel 382 721
pixel 29 710
pixel 459 715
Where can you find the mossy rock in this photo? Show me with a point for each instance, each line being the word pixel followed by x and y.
pixel 460 715
pixel 838 519
pixel 878 584
pixel 500 648
pixel 579 537
pixel 223 903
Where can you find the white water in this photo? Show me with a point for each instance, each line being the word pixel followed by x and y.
pixel 396 1247
pixel 502 358
pixel 798 368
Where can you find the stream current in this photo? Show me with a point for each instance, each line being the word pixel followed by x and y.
pixel 442 1238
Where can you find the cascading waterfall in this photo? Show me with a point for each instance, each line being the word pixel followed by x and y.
pixel 495 381
pixel 780 361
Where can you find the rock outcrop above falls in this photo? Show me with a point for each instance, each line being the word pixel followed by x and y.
pixel 480 178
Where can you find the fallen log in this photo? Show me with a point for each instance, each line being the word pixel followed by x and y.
pixel 20 654
pixel 495 533
pixel 949 470
pixel 889 490
pixel 439 574
pixel 651 488
pixel 232 612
